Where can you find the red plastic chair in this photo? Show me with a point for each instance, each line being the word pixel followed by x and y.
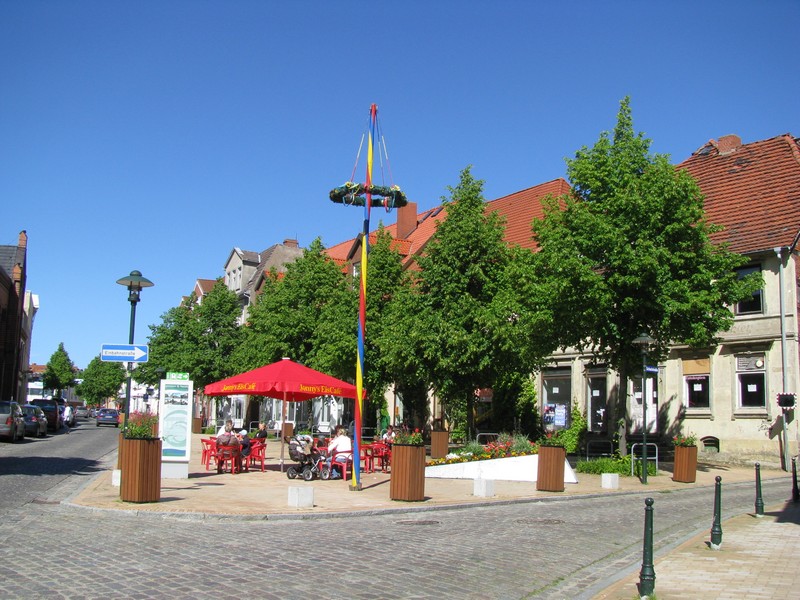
pixel 343 466
pixel 258 452
pixel 209 452
pixel 230 456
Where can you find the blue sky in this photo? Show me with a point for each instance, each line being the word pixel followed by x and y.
pixel 158 135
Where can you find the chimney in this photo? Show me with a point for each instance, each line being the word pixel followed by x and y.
pixel 406 220
pixel 290 243
pixel 728 143
pixel 23 239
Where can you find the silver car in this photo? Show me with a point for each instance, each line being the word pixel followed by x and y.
pixel 12 425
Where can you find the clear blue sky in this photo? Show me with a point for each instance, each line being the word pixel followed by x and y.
pixel 158 135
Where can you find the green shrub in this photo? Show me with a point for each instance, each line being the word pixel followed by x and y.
pixel 612 464
pixel 209 430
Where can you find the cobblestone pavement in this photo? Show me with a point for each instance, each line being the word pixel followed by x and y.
pixel 564 547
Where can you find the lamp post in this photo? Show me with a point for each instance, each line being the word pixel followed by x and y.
pixel 134 282
pixel 644 341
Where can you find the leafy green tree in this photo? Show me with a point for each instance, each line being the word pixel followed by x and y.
pixel 460 275
pixel 101 380
pixel 60 372
pixel 629 251
pixel 290 310
pixel 195 339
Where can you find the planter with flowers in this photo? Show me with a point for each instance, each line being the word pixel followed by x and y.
pixel 685 469
pixel 140 459
pixel 408 467
pixel 550 474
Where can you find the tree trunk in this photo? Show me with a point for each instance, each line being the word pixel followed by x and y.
pixel 621 416
pixel 471 416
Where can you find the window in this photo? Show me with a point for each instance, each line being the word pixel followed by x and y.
pixel 697 395
pixel 751 376
pixel 697 381
pixel 557 391
pixel 597 401
pixel 752 305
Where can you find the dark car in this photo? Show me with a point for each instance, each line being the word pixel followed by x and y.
pixel 50 408
pixel 82 412
pixel 108 416
pixel 35 420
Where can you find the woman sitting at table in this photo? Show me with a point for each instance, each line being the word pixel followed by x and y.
pixel 342 446
pixel 388 437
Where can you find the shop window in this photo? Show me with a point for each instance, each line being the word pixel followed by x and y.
pixel 753 304
pixel 697 391
pixel 751 376
pixel 556 395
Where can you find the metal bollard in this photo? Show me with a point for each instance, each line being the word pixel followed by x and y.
pixel 716 528
pixel 647 576
pixel 795 491
pixel 759 499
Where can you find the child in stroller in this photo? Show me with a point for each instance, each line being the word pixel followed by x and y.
pixel 309 458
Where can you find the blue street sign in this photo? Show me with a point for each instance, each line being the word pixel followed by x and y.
pixel 651 369
pixel 124 352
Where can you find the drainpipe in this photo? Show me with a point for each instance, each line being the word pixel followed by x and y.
pixel 784 370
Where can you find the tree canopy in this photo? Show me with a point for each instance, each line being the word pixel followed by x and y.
pixel 101 380
pixel 59 374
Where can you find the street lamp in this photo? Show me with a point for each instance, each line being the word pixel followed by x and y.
pixel 644 341
pixel 134 282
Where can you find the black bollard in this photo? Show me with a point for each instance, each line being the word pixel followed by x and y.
pixel 716 528
pixel 795 491
pixel 759 499
pixel 647 576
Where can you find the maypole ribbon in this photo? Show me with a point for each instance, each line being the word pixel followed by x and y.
pixel 357 194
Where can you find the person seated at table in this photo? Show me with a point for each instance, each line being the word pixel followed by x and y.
pixel 342 446
pixel 262 431
pixel 244 442
pixel 221 430
pixel 227 437
pixel 388 437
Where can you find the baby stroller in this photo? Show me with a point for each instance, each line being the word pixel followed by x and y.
pixel 310 460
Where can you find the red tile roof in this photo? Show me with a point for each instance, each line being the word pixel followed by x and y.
pixel 753 190
pixel 518 210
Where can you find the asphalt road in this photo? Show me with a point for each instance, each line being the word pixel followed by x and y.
pixel 565 547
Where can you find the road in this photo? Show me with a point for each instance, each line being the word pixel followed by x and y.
pixel 566 547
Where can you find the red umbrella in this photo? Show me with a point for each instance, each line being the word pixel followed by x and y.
pixel 285 380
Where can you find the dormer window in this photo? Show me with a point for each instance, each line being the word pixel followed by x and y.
pixel 754 304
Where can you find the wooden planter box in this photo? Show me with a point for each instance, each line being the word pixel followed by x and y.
pixel 141 470
pixel 685 469
pixel 550 477
pixel 440 443
pixel 408 473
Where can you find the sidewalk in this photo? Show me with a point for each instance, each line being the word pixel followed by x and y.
pixel 755 560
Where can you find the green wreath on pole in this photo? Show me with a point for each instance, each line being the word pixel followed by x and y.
pixel 352 194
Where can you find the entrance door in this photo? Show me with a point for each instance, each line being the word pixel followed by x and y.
pixel 597 403
pixel 635 410
pixel 556 395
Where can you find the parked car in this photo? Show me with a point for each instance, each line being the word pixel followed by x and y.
pixel 12 424
pixel 50 408
pixel 35 420
pixel 108 416
pixel 82 412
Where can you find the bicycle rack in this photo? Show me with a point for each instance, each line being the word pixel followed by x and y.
pixel 650 457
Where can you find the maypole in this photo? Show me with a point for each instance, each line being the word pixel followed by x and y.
pixel 391 197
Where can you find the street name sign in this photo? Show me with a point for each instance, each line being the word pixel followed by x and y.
pixel 124 352
pixel 651 369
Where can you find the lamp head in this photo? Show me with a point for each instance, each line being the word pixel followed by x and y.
pixel 135 282
pixel 644 341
